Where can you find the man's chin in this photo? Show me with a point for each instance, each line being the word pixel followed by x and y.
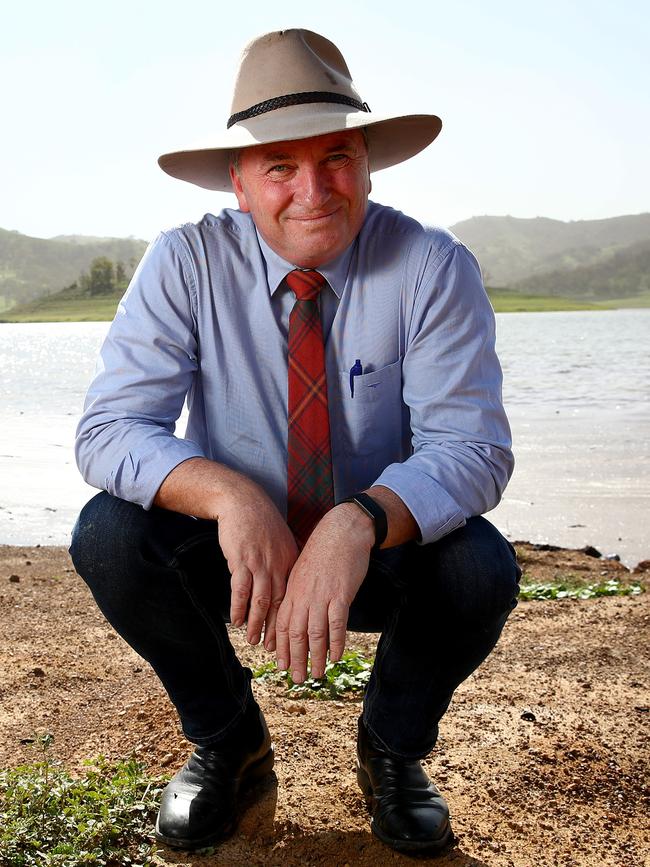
pixel 314 252
pixel 312 259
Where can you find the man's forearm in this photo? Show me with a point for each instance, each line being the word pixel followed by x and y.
pixel 202 488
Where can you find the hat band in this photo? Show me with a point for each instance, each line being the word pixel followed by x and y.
pixel 296 99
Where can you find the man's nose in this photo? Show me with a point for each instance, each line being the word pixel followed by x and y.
pixel 313 186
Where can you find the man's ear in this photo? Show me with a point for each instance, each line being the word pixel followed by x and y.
pixel 238 189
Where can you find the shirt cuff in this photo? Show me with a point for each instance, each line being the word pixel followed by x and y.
pixel 140 475
pixel 435 511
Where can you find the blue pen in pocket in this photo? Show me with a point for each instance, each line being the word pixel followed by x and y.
pixel 355 370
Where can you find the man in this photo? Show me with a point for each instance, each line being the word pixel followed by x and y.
pixel 345 430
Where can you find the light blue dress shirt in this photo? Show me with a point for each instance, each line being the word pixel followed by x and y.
pixel 206 317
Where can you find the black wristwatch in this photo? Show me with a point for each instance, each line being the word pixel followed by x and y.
pixel 373 510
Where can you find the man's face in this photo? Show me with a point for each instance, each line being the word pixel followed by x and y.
pixel 308 197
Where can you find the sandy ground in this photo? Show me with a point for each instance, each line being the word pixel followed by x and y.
pixel 543 755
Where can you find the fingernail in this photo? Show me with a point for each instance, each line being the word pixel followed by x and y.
pixel 254 639
pixel 271 646
pixel 296 677
pixel 282 664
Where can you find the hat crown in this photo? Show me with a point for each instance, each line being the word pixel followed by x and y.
pixel 287 62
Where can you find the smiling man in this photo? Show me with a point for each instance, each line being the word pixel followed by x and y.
pixel 345 435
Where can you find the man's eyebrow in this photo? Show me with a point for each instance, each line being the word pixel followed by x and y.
pixel 275 156
pixel 341 146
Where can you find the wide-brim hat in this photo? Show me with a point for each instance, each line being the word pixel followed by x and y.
pixel 295 84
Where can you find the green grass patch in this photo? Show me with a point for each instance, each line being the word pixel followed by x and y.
pixel 512 301
pixel 506 301
pixel 633 301
pixel 349 675
pixel 103 817
pixel 58 308
pixel 565 590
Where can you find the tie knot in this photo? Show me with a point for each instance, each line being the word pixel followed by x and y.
pixel 305 284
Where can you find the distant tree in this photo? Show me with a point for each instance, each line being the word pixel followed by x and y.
pixel 120 275
pixel 102 276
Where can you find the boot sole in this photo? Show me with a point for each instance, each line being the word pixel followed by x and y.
pixel 253 774
pixel 407 846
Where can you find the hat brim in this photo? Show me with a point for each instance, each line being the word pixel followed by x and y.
pixel 391 140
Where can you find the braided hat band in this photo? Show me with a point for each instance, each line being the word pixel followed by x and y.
pixel 295 99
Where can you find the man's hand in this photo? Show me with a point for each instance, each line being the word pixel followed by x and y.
pixel 260 550
pixel 254 537
pixel 323 582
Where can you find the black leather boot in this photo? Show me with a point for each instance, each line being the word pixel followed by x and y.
pixel 408 812
pixel 199 805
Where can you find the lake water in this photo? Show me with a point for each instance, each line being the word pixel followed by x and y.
pixel 576 386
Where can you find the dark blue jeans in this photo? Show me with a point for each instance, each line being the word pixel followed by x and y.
pixel 162 582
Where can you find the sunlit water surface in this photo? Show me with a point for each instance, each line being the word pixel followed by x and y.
pixel 576 386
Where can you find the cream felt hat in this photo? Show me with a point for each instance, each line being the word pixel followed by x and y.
pixel 294 84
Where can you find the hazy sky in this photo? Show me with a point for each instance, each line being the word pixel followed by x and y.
pixel 545 107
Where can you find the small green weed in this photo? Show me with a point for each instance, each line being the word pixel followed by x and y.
pixel 349 675
pixel 103 818
pixel 553 590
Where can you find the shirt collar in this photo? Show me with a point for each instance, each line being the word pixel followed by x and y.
pixel 277 268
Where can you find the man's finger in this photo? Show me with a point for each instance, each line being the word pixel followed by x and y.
pixel 338 622
pixel 241 582
pixel 298 644
pixel 318 632
pixel 259 606
pixel 278 589
pixel 269 626
pixel 282 635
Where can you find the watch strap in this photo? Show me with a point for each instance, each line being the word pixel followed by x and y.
pixel 373 510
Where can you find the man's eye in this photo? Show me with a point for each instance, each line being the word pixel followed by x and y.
pixel 279 169
pixel 337 157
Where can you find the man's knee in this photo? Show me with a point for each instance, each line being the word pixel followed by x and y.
pixel 105 529
pixel 114 538
pixel 474 572
pixel 115 542
pixel 93 532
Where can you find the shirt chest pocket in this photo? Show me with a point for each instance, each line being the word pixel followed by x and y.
pixel 372 417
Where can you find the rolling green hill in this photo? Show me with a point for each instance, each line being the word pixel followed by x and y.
pixel 622 274
pixel 33 267
pixel 513 251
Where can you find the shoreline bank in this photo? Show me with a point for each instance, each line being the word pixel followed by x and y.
pixel 103 309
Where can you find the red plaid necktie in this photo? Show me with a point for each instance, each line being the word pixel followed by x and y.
pixel 309 468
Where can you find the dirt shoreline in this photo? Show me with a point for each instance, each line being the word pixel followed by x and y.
pixel 543 756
